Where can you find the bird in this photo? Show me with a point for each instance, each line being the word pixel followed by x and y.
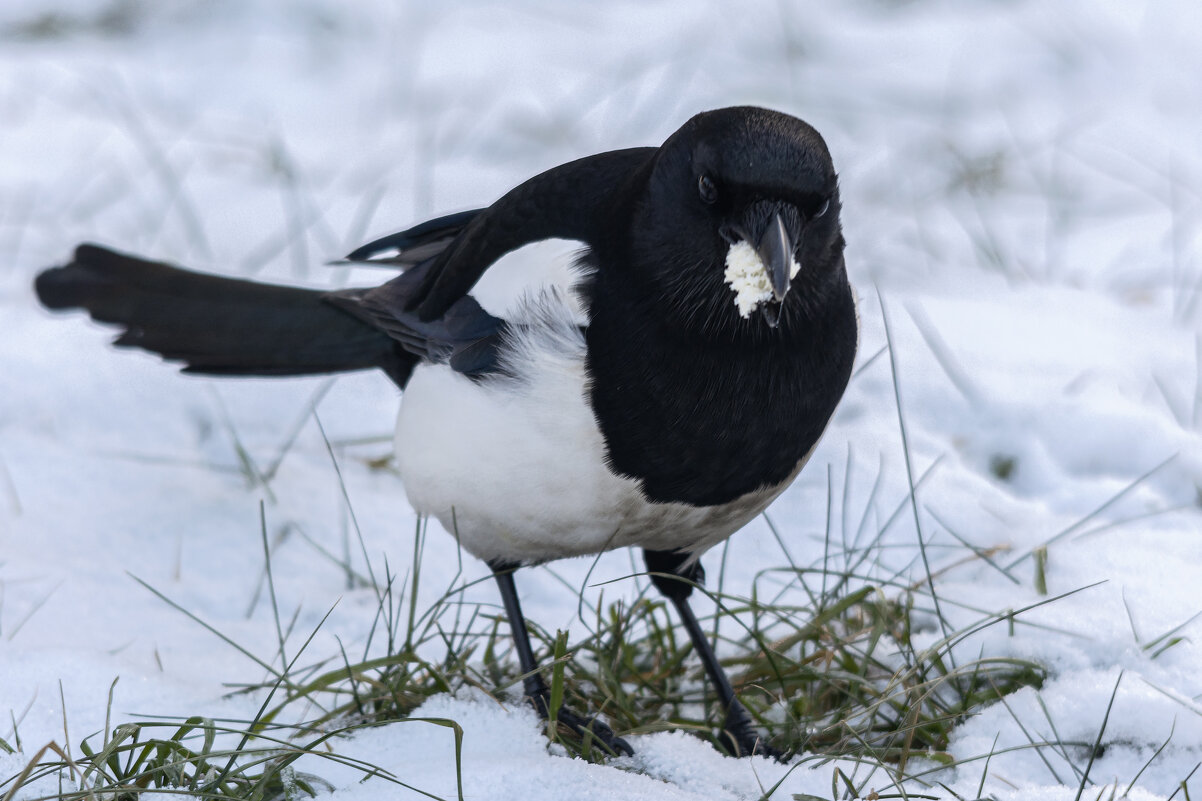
pixel 660 400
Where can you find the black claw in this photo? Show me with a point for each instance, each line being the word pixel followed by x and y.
pixel 741 738
pixel 600 733
pixel 585 728
pixel 747 743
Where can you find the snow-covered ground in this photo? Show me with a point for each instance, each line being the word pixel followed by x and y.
pixel 1023 188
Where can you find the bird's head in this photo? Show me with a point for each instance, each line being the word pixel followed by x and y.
pixel 739 227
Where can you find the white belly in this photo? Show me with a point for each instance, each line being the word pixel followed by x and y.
pixel 517 470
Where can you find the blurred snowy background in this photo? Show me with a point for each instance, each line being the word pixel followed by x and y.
pixel 1022 188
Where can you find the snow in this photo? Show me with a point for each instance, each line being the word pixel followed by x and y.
pixel 747 276
pixel 1020 186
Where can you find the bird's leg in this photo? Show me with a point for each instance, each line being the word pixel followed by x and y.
pixel 533 684
pixel 674 576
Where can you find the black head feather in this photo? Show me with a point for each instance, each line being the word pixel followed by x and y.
pixel 720 178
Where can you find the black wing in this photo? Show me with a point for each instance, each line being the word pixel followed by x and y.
pixel 414 245
pixel 466 336
pixel 572 201
pixel 427 309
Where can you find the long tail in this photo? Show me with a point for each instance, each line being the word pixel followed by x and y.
pixel 217 325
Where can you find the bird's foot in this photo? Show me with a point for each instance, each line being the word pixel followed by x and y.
pixel 741 738
pixel 588 729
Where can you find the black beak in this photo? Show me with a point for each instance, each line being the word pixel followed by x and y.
pixel 775 248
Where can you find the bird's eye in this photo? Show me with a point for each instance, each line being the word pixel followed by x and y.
pixel 826 204
pixel 707 189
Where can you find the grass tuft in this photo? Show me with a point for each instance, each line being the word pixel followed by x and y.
pixel 848 679
pixel 859 669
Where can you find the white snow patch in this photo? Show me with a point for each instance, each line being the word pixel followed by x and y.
pixel 747 275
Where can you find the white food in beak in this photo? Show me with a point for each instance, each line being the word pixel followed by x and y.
pixel 748 277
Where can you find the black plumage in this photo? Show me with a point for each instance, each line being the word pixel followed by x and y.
pixel 217 325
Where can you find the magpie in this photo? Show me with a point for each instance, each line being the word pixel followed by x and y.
pixel 661 400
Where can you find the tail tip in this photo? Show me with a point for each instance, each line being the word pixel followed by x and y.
pixel 55 286
pixel 51 287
